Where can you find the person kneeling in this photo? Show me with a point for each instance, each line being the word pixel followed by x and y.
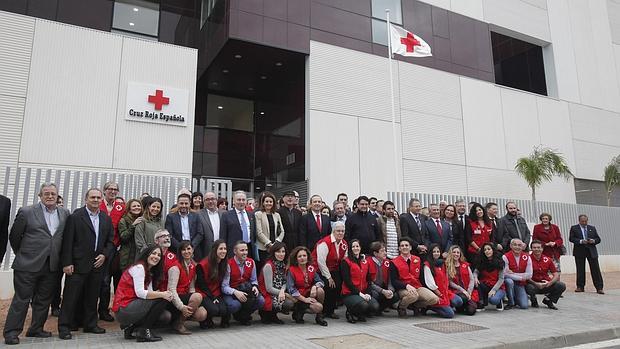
pixel 355 285
pixel 541 282
pixel 240 285
pixel 136 305
pixel 436 279
pixel 305 285
pixel 181 283
pixel 381 287
pixel 462 282
pixel 209 276
pixel 272 285
pixel 517 272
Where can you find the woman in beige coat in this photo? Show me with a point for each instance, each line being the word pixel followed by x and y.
pixel 269 227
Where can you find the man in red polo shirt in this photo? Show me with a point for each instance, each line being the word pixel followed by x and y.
pixel 545 278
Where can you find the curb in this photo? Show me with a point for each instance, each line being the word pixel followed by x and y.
pixel 562 341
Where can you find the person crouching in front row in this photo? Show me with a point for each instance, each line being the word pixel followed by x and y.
pixel 381 287
pixel 240 285
pixel 272 285
pixel 436 279
pixel 305 285
pixel 541 282
pixel 355 285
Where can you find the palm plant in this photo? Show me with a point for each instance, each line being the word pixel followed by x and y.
pixel 612 177
pixel 541 166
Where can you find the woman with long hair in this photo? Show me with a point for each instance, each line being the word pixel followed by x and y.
pixel 458 235
pixel 269 229
pixel 436 280
pixel 181 282
pixel 478 232
pixel 489 276
pixel 136 304
pixel 356 285
pixel 304 284
pixel 462 281
pixel 272 285
pixel 126 231
pixel 209 275
pixel 152 222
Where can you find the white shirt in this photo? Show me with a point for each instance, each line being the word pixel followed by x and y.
pixel 51 218
pixel 185 227
pixel 214 217
pixel 137 274
pixel 94 219
pixel 322 250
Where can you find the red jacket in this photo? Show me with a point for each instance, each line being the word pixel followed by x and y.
pixel 170 260
pixel 333 259
pixel 185 277
pixel 118 210
pixel 385 269
pixel 359 274
pixel 215 287
pixel 236 278
pixel 125 293
pixel 303 285
pixel 553 234
pixel 518 267
pixel 542 267
pixel 462 279
pixel 443 285
pixel 409 275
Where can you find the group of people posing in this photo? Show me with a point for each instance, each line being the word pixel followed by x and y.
pixel 201 263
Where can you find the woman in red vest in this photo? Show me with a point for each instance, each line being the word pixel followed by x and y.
pixel 551 238
pixel 209 275
pixel 489 276
pixel 181 282
pixel 462 281
pixel 478 231
pixel 304 284
pixel 136 304
pixel 355 285
pixel 272 285
pixel 436 280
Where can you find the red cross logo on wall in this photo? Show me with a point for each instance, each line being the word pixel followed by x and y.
pixel 159 100
pixel 410 41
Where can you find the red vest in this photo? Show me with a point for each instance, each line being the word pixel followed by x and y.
pixel 385 270
pixel 541 268
pixel 185 277
pixel 490 278
pixel 125 293
pixel 118 210
pixel 358 276
pixel 214 286
pixel 522 264
pixel 236 278
pixel 408 275
pixel 303 285
pixel 462 279
pixel 263 289
pixel 442 282
pixel 170 260
pixel 479 235
pixel 333 260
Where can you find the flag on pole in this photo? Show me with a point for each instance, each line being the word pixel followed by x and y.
pixel 405 43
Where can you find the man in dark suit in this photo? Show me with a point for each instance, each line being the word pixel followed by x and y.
pixel 513 226
pixel 184 225
pixel 87 241
pixel 210 218
pixel 363 226
pixel 238 225
pixel 340 213
pixel 291 217
pixel 464 225
pixel 36 239
pixel 438 231
pixel 5 211
pixel 585 238
pixel 314 225
pixel 412 225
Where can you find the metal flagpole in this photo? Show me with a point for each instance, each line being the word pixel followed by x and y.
pixel 395 150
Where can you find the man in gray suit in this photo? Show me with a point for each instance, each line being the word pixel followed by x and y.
pixel 36 239
pixel 210 218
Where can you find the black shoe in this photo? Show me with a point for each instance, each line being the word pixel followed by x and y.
pixel 55 312
pixel 95 330
pixel 600 291
pixel 298 315
pixel 64 335
pixel 128 333
pixel 332 316
pixel 402 312
pixel 549 304
pixel 275 319
pixel 534 302
pixel 74 328
pixel 145 335
pixel 245 322
pixel 508 307
pixel 11 340
pixel 106 317
pixel 319 320
pixel 349 317
pixel 208 323
pixel 265 317
pixel 361 318
pixel 39 334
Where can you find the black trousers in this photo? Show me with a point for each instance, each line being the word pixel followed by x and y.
pixel 88 285
pixel 57 292
pixel 552 292
pixel 595 270
pixel 111 271
pixel 331 294
pixel 30 288
pixel 384 302
pixel 215 309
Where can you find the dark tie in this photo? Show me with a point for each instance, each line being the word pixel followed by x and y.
pixel 439 229
pixel 318 222
pixel 417 220
pixel 462 221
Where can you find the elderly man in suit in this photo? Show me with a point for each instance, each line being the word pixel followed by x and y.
pixel 238 224
pixel 585 238
pixel 184 225
pixel 412 225
pixel 210 218
pixel 86 242
pixel 36 239
pixel 439 231
pixel 5 211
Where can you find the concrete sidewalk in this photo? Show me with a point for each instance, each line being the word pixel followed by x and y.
pixel 582 318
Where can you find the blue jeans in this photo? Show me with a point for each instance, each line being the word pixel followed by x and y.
pixel 243 310
pixel 456 302
pixel 483 291
pixel 516 294
pixel 443 311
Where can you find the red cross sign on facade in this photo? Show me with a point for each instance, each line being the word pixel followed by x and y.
pixel 410 41
pixel 158 99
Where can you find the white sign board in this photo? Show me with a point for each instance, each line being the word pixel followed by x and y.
pixel 157 104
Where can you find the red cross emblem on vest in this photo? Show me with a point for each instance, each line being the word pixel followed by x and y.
pixel 387 264
pixel 248 264
pixel 170 255
pixel 545 259
pixel 364 261
pixel 524 257
pixel 310 268
pixel 158 99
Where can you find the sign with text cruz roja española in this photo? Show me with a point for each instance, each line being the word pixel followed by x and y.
pixel 157 104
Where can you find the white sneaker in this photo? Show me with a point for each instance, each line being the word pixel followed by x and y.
pixel 500 306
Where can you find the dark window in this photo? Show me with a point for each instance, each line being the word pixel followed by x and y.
pixel 518 64
pixel 379 25
pixel 136 17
